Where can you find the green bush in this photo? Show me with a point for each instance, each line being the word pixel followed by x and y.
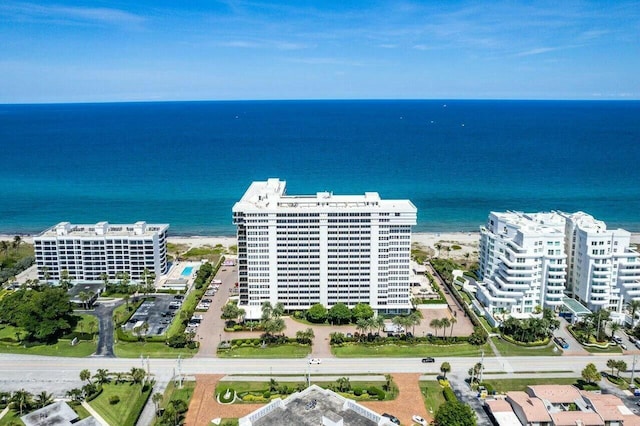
pixel 357 391
pixel 114 399
pixel 449 395
pixel 266 395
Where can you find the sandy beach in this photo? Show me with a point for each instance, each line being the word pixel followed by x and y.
pixel 468 241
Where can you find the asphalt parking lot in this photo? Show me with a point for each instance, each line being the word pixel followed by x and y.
pixel 156 313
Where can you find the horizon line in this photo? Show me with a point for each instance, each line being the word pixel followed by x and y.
pixel 144 101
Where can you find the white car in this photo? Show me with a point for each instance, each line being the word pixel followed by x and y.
pixel 416 418
pixel 315 361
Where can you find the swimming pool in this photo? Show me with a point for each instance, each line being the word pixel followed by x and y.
pixel 187 271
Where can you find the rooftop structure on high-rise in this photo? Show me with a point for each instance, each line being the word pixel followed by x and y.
pixel 324 248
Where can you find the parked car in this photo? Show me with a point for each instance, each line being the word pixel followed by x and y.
pixel 391 417
pixel 315 361
pixel 616 339
pixel 561 342
pixel 416 418
pixel 428 359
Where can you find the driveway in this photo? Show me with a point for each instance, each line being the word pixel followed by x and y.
pixel 575 348
pixel 466 395
pixel 104 313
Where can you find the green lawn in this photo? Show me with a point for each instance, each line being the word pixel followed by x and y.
pixel 505 385
pixel 280 351
pixel 173 393
pixel 509 349
pixel 150 349
pixel 78 408
pixel 609 350
pixel 354 350
pixel 9 343
pixel 432 395
pixel 11 418
pixel 116 414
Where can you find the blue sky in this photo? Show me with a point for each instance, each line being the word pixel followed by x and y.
pixel 71 51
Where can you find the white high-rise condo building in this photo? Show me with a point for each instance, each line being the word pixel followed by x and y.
pixel 324 248
pixel 522 262
pixel 88 251
pixel 603 271
pixel 535 259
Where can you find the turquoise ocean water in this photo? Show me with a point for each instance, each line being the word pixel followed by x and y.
pixel 186 163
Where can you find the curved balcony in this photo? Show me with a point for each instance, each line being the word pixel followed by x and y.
pixel 507 262
pixel 498 291
pixel 506 284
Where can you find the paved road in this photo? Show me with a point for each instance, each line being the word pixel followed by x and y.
pixel 29 369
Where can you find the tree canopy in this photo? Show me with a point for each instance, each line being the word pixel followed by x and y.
pixel 317 313
pixel 590 374
pixel 45 314
pixel 339 314
pixel 455 413
pixel 362 311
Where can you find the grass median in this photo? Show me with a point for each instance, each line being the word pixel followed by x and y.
pixel 356 350
pixel 150 349
pixel 279 351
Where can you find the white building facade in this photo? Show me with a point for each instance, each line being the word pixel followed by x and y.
pixel 603 271
pixel 306 249
pixel 522 262
pixel 535 259
pixel 87 252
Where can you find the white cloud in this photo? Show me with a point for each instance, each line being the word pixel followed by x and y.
pixel 32 12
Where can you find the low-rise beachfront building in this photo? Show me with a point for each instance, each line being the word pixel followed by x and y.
pixel 537 259
pixel 87 252
pixel 603 271
pixel 521 262
pixel 324 248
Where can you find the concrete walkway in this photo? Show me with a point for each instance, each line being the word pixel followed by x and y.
pixel 4 412
pixel 94 413
pixel 323 378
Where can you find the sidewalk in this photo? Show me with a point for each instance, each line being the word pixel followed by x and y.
pixel 94 413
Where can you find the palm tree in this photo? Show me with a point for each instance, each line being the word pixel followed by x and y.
pixel 633 306
pixel 85 375
pixel 75 394
pixel 612 364
pixel 21 399
pixel 614 326
pixel 43 399
pixel 137 375
pixel 445 368
pixel 435 324
pixel 438 246
pixel 444 323
pixel 83 296
pixel 416 318
pixel 267 311
pixel 278 310
pixel 157 398
pixel 16 242
pixel 102 376
pixel 452 322
pixel 4 246
pixel 388 380
pixel 343 384
pixel 119 377
pixel 378 323
pixel 362 325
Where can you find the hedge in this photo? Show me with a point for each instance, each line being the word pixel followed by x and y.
pixel 510 339
pixel 448 394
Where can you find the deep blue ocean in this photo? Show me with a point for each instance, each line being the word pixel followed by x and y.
pixel 187 163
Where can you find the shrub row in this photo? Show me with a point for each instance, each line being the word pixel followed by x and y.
pixel 448 394
pixel 510 339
